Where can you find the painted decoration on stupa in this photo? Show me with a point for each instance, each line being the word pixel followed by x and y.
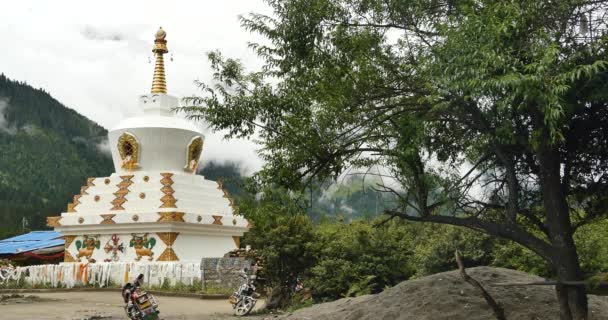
pixel 169 239
pixel 193 153
pixel 87 246
pixel 128 147
pixel 143 246
pixel 113 246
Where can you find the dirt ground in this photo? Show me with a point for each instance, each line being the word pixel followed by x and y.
pixel 107 305
pixel 442 296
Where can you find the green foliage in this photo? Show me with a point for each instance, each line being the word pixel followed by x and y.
pixel 592 243
pixel 359 258
pixel 507 254
pixel 435 246
pixel 281 237
pixel 334 258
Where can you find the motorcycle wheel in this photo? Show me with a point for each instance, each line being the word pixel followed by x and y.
pixel 133 315
pixel 244 306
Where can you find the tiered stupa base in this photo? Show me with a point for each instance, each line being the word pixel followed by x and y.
pixel 200 224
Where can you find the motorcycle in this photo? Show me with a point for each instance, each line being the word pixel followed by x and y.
pixel 142 306
pixel 242 300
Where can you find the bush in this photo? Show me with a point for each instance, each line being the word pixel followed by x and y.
pixel 359 258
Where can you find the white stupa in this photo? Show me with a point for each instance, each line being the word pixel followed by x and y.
pixel 154 207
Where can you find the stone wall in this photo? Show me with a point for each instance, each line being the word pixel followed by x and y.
pixel 222 274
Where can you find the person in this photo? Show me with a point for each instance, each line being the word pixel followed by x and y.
pixel 130 288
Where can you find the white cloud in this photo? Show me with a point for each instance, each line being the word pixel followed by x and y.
pixel 104 147
pixel 3 123
pixel 93 56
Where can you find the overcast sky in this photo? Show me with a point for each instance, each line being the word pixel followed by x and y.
pixel 93 55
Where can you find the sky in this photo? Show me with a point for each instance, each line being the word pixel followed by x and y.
pixel 95 56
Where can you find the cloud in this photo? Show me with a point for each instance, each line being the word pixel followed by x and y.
pixel 93 33
pixel 104 147
pixel 93 58
pixel 4 126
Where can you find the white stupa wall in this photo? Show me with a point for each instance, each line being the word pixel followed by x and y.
pixel 155 146
pixel 189 245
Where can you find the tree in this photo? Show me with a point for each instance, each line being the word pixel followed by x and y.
pixel 490 115
pixel 359 258
pixel 281 236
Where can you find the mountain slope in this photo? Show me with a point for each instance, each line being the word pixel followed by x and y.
pixel 46 153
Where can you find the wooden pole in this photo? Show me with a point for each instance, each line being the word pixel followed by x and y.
pixel 496 307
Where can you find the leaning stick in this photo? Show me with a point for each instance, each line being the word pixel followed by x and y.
pixel 496 307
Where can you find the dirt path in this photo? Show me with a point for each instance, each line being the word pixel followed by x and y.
pixel 108 305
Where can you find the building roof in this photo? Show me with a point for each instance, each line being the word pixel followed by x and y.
pixel 31 241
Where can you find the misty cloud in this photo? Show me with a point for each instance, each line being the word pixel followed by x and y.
pixel 4 126
pixel 93 33
pixel 104 147
pixel 3 106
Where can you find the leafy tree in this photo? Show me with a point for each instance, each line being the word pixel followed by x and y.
pixel 489 114
pixel 281 236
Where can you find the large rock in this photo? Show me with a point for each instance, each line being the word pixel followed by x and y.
pixel 446 296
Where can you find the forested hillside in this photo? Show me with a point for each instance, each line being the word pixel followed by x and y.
pixel 47 152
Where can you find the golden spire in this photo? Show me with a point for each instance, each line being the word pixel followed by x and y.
pixel 160 48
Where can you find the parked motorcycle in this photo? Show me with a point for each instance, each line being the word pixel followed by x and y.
pixel 242 300
pixel 141 305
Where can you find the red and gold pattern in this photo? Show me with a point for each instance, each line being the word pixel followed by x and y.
pixel 168 238
pixel 67 257
pixel 76 202
pixel 83 191
pixel 168 200
pixel 108 218
pixel 53 221
pixel 171 217
pixel 68 240
pixel 123 190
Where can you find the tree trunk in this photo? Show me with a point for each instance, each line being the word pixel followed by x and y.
pixel 565 262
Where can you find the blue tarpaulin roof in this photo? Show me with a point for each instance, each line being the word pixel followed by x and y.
pixel 31 241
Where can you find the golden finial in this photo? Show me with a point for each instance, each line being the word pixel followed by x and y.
pixel 159 84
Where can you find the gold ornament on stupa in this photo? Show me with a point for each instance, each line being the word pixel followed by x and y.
pixel 159 85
